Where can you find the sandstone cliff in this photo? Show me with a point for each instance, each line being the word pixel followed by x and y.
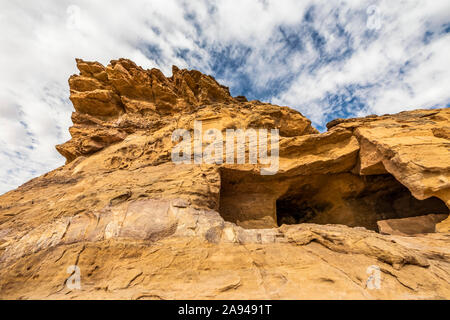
pixel 372 191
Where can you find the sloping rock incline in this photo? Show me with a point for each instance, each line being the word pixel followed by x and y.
pixel 129 223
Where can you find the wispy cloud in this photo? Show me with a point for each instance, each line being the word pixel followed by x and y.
pixel 327 59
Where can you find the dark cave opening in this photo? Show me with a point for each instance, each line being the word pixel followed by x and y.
pixel 253 201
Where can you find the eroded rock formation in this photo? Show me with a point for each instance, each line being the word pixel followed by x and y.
pixel 369 191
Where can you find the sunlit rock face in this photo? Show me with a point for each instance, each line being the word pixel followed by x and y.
pixel 371 191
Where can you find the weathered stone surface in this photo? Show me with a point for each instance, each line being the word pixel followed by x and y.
pixel 142 227
pixel 411 226
pixel 412 146
pixel 198 255
pixel 122 98
pixel 443 226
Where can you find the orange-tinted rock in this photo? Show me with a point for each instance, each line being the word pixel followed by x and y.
pixel 411 226
pixel 140 226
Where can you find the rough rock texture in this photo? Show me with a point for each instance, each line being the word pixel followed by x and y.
pixel 122 99
pixel 142 227
pixel 411 226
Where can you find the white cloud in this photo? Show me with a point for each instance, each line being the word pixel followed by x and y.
pixel 41 39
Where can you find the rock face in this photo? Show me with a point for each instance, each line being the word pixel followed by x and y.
pixel 411 226
pixel 139 226
pixel 121 99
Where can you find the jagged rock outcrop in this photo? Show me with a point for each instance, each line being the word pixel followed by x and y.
pixel 411 226
pixel 141 226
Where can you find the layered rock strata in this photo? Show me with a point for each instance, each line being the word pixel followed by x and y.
pixel 140 226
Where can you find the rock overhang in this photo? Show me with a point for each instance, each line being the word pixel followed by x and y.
pixel 120 191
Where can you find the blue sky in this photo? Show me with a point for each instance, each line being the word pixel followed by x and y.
pixel 327 59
